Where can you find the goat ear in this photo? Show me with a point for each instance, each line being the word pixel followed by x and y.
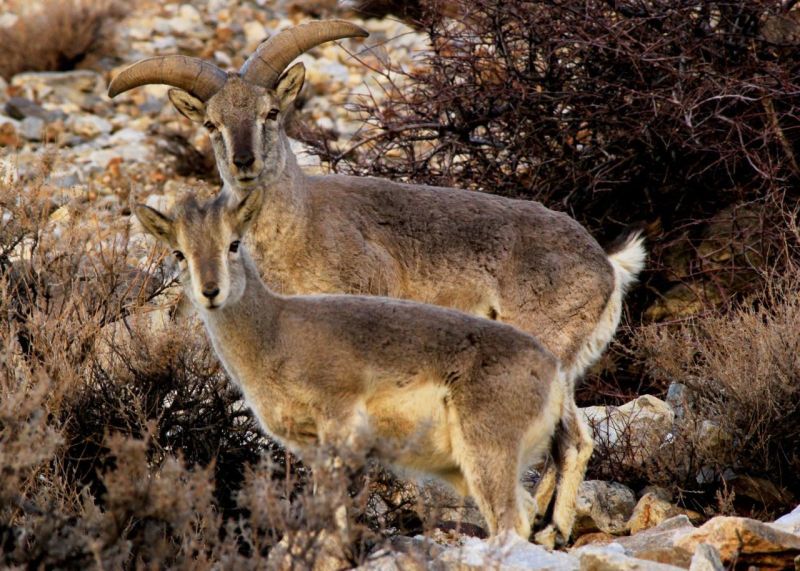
pixel 155 223
pixel 187 105
pixel 290 84
pixel 248 209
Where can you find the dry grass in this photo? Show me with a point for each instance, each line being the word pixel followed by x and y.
pixel 59 35
pixel 742 373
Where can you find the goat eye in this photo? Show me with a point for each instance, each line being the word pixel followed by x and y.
pixel 272 115
pixel 179 255
pixel 234 246
pixel 210 126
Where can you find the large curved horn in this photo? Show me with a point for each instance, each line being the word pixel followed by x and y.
pixel 267 63
pixel 198 77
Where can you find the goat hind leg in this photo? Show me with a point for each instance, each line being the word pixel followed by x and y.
pixel 573 448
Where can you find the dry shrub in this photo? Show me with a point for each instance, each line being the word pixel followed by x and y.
pixel 59 35
pixel 122 442
pixel 742 373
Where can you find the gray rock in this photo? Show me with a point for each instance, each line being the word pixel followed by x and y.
pixel 658 543
pixel 65 178
pixel 603 506
pixel 97 160
pixel 790 522
pixel 21 107
pixel 652 509
pixel 126 136
pixel 515 555
pixel 443 505
pixel 32 128
pixel 745 541
pixel 634 431
pixel 678 398
pixel 88 126
pixel 46 81
pixel 706 558
pixel 612 557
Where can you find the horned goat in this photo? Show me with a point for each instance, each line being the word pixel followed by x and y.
pixel 510 260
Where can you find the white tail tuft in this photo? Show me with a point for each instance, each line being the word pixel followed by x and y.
pixel 628 260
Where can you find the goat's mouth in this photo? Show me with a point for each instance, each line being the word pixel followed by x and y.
pixel 247 179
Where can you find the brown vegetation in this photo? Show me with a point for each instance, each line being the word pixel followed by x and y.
pixel 122 442
pixel 667 113
pixel 59 35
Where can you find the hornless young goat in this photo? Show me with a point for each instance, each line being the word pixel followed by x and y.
pixel 469 400
pixel 510 260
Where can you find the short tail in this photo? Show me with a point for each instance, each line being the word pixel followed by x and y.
pixel 628 260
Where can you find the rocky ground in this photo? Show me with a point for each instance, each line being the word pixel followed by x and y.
pixel 97 155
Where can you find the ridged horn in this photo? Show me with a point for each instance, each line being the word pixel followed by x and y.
pixel 200 78
pixel 267 63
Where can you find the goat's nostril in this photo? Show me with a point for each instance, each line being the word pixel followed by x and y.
pixel 210 291
pixel 244 161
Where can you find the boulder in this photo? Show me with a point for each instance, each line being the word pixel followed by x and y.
pixel 652 509
pixel 706 558
pixel 603 506
pixel 32 128
pixel 514 555
pixel 633 431
pixel 467 554
pixel 88 126
pixel 614 558
pixel 745 541
pixel 315 551
pixel 790 522
pixel 659 543
pixel 80 87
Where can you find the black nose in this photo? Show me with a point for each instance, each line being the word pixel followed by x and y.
pixel 210 290
pixel 244 160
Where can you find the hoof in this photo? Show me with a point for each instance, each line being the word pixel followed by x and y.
pixel 550 538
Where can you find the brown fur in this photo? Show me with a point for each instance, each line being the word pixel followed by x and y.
pixel 510 260
pixel 466 399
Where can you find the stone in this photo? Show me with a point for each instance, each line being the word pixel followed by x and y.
pixel 789 522
pixel 21 107
pixel 8 134
pixel 254 34
pixel 513 555
pixel 603 506
pixel 706 558
pixel 746 541
pixel 712 440
pixel 466 554
pixel 32 128
pixel 441 505
pixel 614 558
pixel 8 19
pixel 65 177
pixel 652 509
pixel 46 81
pixel 635 430
pixel 88 126
pixel 678 397
pixel 134 152
pixel 658 543
pixel 126 136
pixel 315 551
